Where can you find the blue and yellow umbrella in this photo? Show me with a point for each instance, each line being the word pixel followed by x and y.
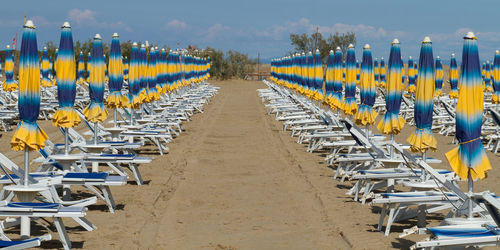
pixel 143 73
pixel 411 76
pixel 469 160
pixel 495 98
pixel 329 80
pixel 438 82
pixel 317 77
pixel 125 68
pixel 66 116
pixel 383 79
pixel 115 98
pixel 28 134
pixel 46 82
pixel 153 94
pixel 453 76
pixel 89 59
pixel 9 84
pixel 376 71
pixel 96 112
pixel 366 115
pixel 487 77
pixel 392 122
pixel 422 139
pixel 134 80
pixel 162 78
pixel 350 106
pixel 81 69
pixel 338 72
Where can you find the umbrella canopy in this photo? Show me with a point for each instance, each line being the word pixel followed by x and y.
pixel 81 69
pixel 422 139
pixel 358 71
pixel 9 84
pixel 469 159
pixel 28 133
pixel 495 98
pixel 487 77
pixel 338 72
pixel 438 82
pixel 125 68
pixel 89 59
pixel 54 63
pixel 115 98
pixel 66 116
pixel 46 82
pixel 162 74
pixel 134 80
pixel 366 115
pixel 453 77
pixel 393 123
pixel 329 80
pixel 170 71
pixel 96 112
pixel 383 79
pixel 310 74
pixel 411 76
pixel 350 107
pixel 376 71
pixel 318 76
pixel 153 94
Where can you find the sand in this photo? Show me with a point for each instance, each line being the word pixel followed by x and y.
pixel 234 180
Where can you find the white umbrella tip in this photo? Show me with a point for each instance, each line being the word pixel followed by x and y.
pixel 310 53
pixel 410 57
pixel 367 46
pixel 317 50
pixel 350 46
pixel 115 34
pixel 395 41
pixel 497 52
pixel 470 35
pixel 453 54
pixel 8 46
pixel 29 24
pixel 338 48
pixel 134 44
pixel 152 49
pixel 143 46
pixel 65 25
pixel 331 51
pixel 156 47
pixel 98 36
pixel 437 57
pixel 487 61
pixel 163 49
pixel 427 39
pixel 43 47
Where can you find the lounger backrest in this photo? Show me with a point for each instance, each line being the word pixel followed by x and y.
pixel 496 116
pixel 10 165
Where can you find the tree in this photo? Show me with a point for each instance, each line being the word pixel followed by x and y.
pixel 305 43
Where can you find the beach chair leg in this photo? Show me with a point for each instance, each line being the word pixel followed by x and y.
pixel 63 235
pixel 116 169
pixel 421 216
pixel 96 192
pixel 382 217
pixel 137 174
pixel 84 223
pixel 389 220
pixel 109 198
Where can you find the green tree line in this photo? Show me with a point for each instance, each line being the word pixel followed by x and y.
pixel 305 43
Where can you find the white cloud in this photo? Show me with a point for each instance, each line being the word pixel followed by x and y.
pixel 215 30
pixel 176 24
pixel 88 17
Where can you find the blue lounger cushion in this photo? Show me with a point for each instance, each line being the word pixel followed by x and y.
pixel 34 205
pixel 118 155
pixel 4 243
pixel 465 232
pixel 408 195
pixel 85 176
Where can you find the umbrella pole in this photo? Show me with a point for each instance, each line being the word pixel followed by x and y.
pixel 26 165
pixel 424 159
pixel 95 132
pixel 470 190
pixel 131 116
pixel 66 140
pixel 367 131
pixel 391 149
pixel 114 116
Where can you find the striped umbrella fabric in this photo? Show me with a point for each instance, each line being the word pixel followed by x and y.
pixel 411 76
pixel 338 72
pixel 89 59
pixel 162 78
pixel 143 73
pixel 376 71
pixel 96 112
pixel 495 98
pixel 438 82
pixel 310 74
pixel 422 139
pixel 453 77
pixel 487 77
pixel 28 134
pixel 350 106
pixel 115 98
pixel 383 79
pixel 46 82
pixel 366 115
pixel 317 76
pixel 66 116
pixel 153 94
pixel 469 160
pixel 134 80
pixel 9 84
pixel 81 69
pixel 392 122
pixel 54 62
pixel 125 68
pixel 329 80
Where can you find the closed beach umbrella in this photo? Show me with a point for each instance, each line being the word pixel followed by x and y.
pixel 469 160
pixel 162 81
pixel 350 106
pixel 453 77
pixel 96 112
pixel 46 82
pixel 125 68
pixel 366 115
pixel 28 134
pixel 338 71
pixel 66 116
pixel 422 139
pixel 115 98
pixel 438 82
pixel 495 98
pixel 153 94
pixel 376 71
pixel 81 69
pixel 329 80
pixel 411 76
pixel 142 73
pixel 383 79
pixel 318 76
pixel 392 123
pixel 487 77
pixel 89 59
pixel 9 84
pixel 134 80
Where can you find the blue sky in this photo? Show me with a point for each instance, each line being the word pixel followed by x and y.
pixel 264 26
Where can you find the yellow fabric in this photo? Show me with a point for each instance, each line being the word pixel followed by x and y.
pixel 46 83
pixel 9 87
pixel 65 118
pixel 411 89
pixel 365 118
pixel 117 101
pixel 421 142
pixel 393 127
pixel 488 89
pixel 461 169
pixel 94 113
pixel 33 137
pixel 453 94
